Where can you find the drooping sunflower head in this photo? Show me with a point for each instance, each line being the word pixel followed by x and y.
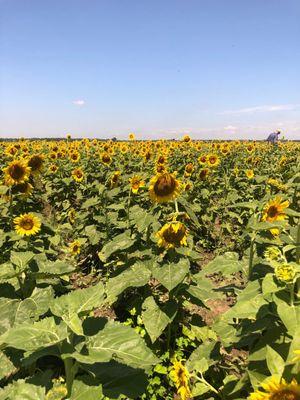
pixel 16 172
pixel 36 163
pixel 27 224
pixel 276 389
pixel 203 174
pixel 78 175
pixel 164 187
pixel 213 160
pixel 72 215
pixel 75 247
pixel 180 376
pixel 24 189
pixel 136 182
pixel 114 180
pixel 171 235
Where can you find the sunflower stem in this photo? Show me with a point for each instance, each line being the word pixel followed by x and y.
pixel 176 206
pixel 251 257
pixel 298 245
pixel 292 294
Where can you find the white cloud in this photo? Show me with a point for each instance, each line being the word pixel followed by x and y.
pixel 78 102
pixel 230 128
pixel 268 108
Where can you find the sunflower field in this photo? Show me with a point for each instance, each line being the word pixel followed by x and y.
pixel 149 270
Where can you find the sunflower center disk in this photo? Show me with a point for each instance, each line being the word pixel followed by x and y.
pixel 173 237
pixel 165 186
pixel 17 172
pixel 285 395
pixel 27 224
pixel 272 212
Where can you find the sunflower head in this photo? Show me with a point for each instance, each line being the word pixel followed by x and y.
pixel 202 159
pixel 105 158
pixel 171 235
pixel 213 160
pixel 277 389
pixel 72 215
pixel 249 173
pixel 53 168
pixel 27 224
pixel 23 189
pixel 131 136
pixel 203 174
pixel 274 211
pixel 273 253
pixel 78 175
pixel 36 163
pixel 136 182
pixel 74 156
pixel 114 180
pixel 285 272
pixel 16 172
pixel 75 247
pixel 186 138
pixel 180 376
pixel 189 168
pixel 164 187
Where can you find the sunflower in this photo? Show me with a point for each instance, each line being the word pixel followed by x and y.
pixel 213 160
pixel 285 272
pixel 74 156
pixel 136 182
pixel 274 211
pixel 202 159
pixel 78 175
pixel 72 215
pixel 105 158
pixel 114 180
pixel 203 174
pixel 53 168
pixel 189 169
pixel 16 172
pixel 180 376
pixel 75 248
pixel 249 173
pixel 173 234
pixel 23 189
pixel 164 187
pixel 131 136
pixel 27 224
pixel 277 389
pixel 186 138
pixel 36 163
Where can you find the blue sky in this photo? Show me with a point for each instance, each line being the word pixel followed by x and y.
pixel 159 68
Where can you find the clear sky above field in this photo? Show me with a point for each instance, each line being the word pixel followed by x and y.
pixel 159 68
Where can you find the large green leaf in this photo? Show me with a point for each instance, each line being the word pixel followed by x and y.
pixel 84 390
pixel 155 320
pixel 203 290
pixel 118 243
pixel 69 306
pixel 275 362
pixel 171 274
pixel 32 337
pixel 8 309
pixel 135 276
pixel 21 259
pixel 225 264
pixel 118 342
pixel 21 390
pixel 6 366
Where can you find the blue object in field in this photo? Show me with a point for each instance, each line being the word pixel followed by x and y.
pixel 273 137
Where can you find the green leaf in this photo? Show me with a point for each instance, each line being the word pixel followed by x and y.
pixel 275 362
pixel 290 316
pixel 118 342
pixel 204 290
pixel 118 243
pixel 33 337
pixel 226 264
pixel 21 259
pixel 155 320
pixel 6 366
pixel 20 390
pixel 69 306
pixel 135 276
pixel 171 274
pixel 83 391
pixel 200 359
